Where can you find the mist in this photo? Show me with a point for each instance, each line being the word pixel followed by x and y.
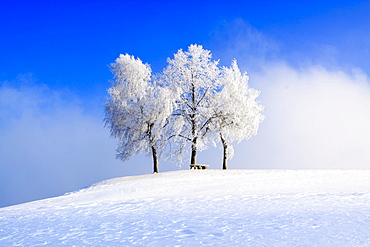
pixel 315 119
pixel 52 142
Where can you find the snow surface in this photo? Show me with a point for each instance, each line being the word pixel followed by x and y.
pixel 201 208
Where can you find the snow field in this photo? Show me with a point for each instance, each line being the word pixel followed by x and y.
pixel 201 208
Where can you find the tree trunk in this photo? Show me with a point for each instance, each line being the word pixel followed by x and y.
pixel 155 159
pixel 193 159
pixel 154 150
pixel 224 144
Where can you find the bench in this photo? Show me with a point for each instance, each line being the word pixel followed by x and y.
pixel 198 167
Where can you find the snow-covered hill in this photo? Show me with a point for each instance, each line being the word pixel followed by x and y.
pixel 201 208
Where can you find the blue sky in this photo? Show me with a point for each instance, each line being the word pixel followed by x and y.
pixel 309 59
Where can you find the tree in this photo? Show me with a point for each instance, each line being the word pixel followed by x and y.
pixel 236 112
pixel 193 79
pixel 137 110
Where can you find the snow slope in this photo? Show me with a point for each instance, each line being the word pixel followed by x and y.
pixel 201 208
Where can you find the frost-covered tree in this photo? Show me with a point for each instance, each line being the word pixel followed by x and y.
pixel 237 113
pixel 192 103
pixel 137 109
pixel 193 78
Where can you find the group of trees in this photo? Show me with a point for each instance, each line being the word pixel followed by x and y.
pixel 193 103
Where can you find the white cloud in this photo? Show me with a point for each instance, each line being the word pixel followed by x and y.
pixel 315 118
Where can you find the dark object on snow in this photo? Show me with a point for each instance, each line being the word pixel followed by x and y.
pixel 198 167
